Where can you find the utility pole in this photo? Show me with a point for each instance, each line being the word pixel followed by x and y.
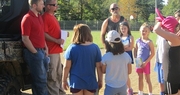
pixel 155 10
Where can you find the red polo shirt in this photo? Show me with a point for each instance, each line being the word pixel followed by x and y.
pixel 52 27
pixel 33 26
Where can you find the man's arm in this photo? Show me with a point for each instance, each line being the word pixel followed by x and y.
pixel 103 31
pixel 50 38
pixel 28 44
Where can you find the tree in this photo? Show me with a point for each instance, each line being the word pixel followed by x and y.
pixel 127 8
pixel 67 11
pixel 171 7
pixel 146 7
pixel 83 9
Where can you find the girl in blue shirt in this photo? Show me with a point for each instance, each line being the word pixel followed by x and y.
pixel 82 59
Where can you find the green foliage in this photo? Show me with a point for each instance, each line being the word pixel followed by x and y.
pixel 151 17
pixel 82 10
pixel 99 9
pixel 171 7
pixel 146 7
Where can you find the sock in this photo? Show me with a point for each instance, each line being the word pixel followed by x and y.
pixel 140 93
pixel 162 93
pixel 150 93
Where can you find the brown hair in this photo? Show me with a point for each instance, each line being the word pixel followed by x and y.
pixel 178 13
pixel 124 23
pixel 82 33
pixel 115 48
pixel 177 28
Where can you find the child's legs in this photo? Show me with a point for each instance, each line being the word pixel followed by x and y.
pixel 147 76
pixel 140 81
pixel 113 91
pixel 148 81
pixel 88 92
pixel 161 85
pixel 82 92
pixel 78 92
pixel 140 78
pixel 160 77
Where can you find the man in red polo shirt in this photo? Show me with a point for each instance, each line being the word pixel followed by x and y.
pixel 54 41
pixel 35 49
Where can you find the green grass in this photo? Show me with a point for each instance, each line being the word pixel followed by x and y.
pixel 97 40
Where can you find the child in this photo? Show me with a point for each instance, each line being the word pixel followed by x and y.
pixel 116 70
pixel 128 42
pixel 144 50
pixel 167 28
pixel 161 58
pixel 83 57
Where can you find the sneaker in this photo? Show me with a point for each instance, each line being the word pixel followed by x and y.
pixel 140 93
pixel 130 91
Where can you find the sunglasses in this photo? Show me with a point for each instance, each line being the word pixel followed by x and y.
pixel 114 8
pixel 53 5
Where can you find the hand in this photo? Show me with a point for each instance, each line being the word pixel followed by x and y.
pixel 143 65
pixel 59 41
pixel 65 85
pixel 46 52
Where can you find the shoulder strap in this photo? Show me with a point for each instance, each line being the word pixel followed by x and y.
pixel 137 40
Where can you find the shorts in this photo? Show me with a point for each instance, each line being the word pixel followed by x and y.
pixel 131 55
pixel 159 70
pixel 145 70
pixel 171 88
pixel 115 91
pixel 74 90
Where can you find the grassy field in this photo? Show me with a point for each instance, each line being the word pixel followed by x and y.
pixel 97 40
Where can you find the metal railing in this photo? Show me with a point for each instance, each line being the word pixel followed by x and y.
pixel 96 25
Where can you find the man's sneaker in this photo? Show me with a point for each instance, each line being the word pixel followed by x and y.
pixel 130 91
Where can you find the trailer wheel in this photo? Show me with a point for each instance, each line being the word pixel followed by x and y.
pixel 9 86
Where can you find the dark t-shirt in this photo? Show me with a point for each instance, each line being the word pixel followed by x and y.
pixel 114 25
pixel 174 65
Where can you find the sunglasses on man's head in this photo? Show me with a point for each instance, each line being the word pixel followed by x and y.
pixel 114 8
pixel 53 5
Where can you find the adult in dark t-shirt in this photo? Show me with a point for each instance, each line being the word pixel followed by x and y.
pixel 112 22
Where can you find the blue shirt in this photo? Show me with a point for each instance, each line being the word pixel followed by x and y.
pixel 116 69
pixel 83 62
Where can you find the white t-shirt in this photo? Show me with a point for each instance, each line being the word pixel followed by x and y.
pixel 162 54
pixel 162 50
pixel 116 69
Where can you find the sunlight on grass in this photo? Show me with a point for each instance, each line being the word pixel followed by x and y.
pixel 97 40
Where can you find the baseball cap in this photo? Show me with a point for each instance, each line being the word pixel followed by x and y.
pixel 112 35
pixel 168 22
